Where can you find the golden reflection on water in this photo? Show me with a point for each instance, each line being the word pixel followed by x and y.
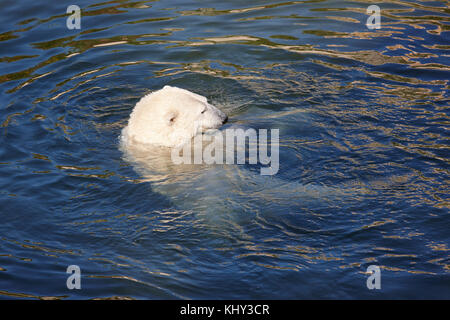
pixel 369 57
pixel 30 296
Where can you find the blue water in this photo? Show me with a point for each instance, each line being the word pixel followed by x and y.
pixel 364 154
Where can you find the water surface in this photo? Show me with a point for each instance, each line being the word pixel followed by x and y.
pixel 364 112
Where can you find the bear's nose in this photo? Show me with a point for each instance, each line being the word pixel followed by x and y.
pixel 225 119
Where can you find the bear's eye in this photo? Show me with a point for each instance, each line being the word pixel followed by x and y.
pixel 204 110
pixel 172 119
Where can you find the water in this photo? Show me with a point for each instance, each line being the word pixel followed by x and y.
pixel 364 161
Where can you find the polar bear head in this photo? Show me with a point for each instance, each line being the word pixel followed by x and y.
pixel 172 116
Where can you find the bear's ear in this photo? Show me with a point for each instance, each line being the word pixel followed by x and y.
pixel 171 117
pixel 167 87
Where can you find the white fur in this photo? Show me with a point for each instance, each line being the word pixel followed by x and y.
pixel 170 117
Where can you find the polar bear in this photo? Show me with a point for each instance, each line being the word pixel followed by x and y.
pixel 170 117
